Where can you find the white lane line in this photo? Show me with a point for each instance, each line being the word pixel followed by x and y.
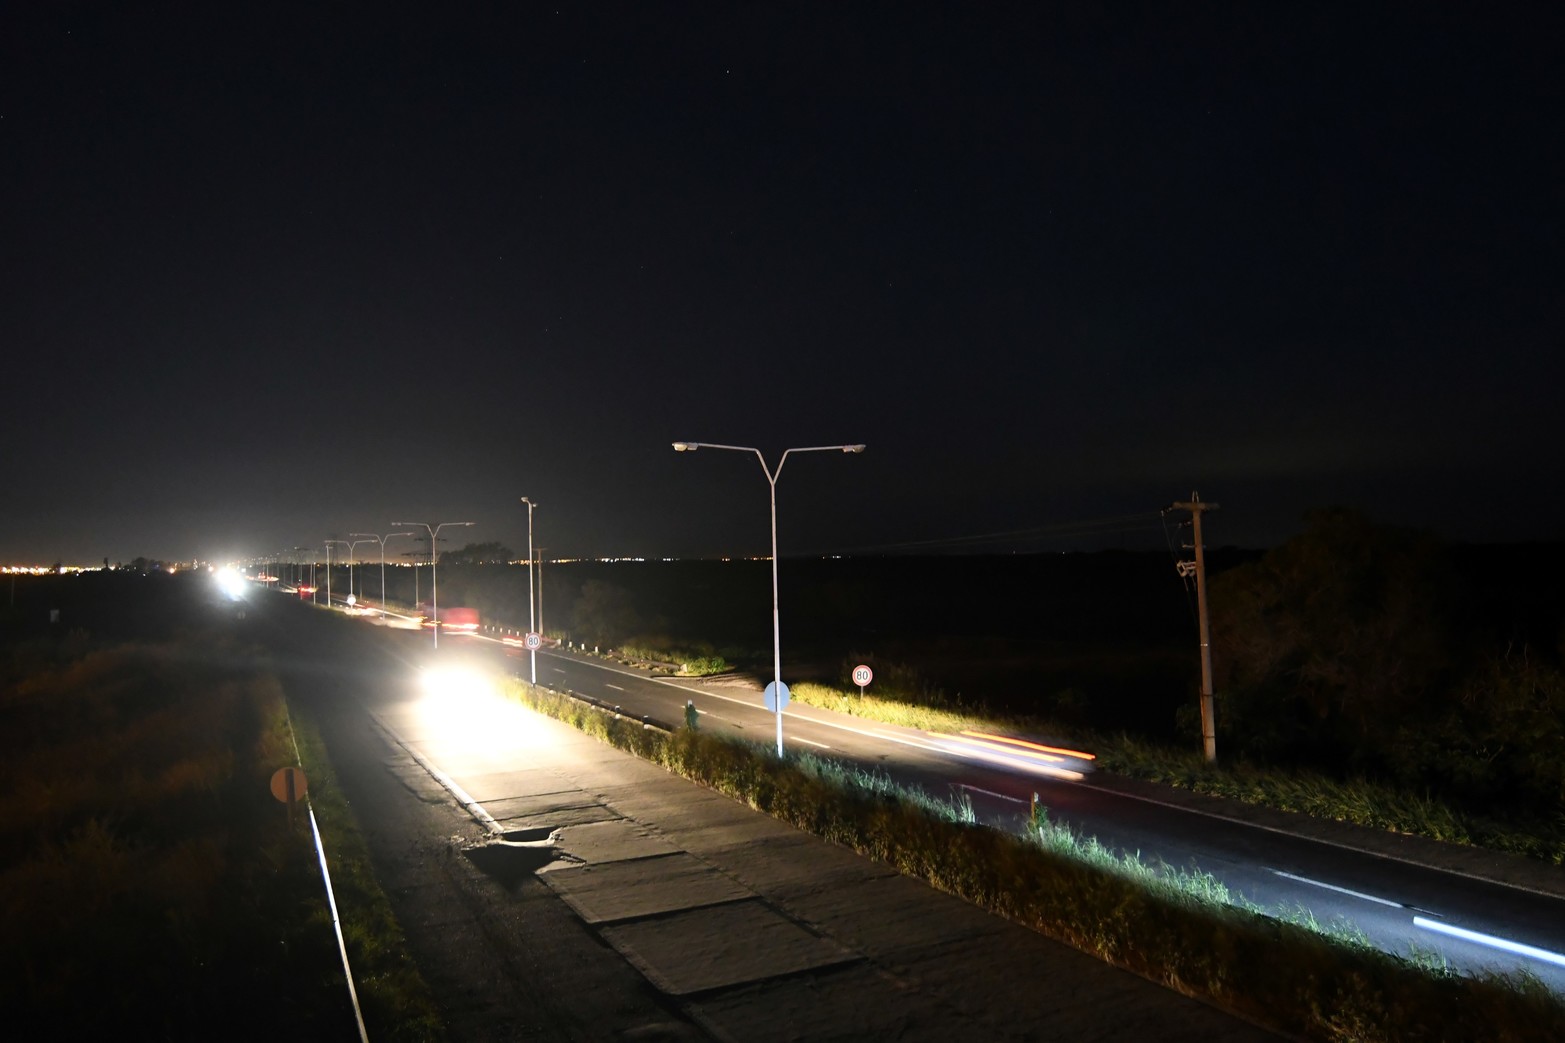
pixel 810 742
pixel 616 687
pixel 557 670
pixel 1490 940
pixel 992 793
pixel 1340 890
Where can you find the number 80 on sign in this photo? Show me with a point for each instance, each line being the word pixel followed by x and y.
pixel 862 675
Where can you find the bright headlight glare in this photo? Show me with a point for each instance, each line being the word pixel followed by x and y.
pixel 231 583
pixel 456 684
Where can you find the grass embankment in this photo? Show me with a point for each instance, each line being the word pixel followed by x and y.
pixel 396 1001
pixel 1177 929
pixel 148 878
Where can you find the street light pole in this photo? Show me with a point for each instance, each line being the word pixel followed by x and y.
pixel 434 575
pixel 541 550
pixel 532 653
pixel 771 479
pixel 382 540
pixel 351 544
pixel 328 570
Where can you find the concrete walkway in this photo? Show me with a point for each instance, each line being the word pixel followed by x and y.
pixel 757 930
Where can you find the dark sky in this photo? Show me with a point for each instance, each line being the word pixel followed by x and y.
pixel 271 276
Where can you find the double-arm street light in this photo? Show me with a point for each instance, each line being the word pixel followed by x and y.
pixel 351 544
pixel 382 541
pixel 532 622
pixel 434 577
pixel 778 692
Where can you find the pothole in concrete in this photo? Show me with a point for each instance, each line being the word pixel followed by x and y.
pixel 517 854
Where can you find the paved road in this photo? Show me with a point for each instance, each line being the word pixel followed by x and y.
pixel 555 888
pixel 1402 892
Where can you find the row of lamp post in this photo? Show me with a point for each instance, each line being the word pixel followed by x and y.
pixel 777 692
pixel 382 541
pixel 434 576
pixel 370 537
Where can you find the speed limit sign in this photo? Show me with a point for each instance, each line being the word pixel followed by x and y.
pixel 862 675
pixel 533 641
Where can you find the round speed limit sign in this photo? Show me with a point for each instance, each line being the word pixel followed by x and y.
pixel 862 675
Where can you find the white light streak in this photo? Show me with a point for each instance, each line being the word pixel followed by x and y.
pixel 1503 944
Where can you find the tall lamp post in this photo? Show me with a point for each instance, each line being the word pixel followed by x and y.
pixel 382 541
pixel 532 624
pixel 778 695
pixel 541 551
pixel 328 569
pixel 434 575
pixel 351 544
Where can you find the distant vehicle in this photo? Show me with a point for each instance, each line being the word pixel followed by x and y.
pixel 453 619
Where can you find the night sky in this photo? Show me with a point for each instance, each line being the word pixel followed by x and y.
pixel 273 276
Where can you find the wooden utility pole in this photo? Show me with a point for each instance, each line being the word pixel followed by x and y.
pixel 1197 507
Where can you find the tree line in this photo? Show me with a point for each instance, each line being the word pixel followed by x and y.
pixel 1377 650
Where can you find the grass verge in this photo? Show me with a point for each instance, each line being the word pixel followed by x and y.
pixel 396 1001
pixel 1362 802
pixel 1175 929
pixel 147 876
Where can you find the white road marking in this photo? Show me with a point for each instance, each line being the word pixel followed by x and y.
pixel 1490 940
pixel 616 687
pixel 1340 890
pixel 992 793
pixel 811 742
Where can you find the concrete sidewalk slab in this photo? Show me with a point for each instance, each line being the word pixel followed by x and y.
pixel 764 932
pixel 719 946
pixel 569 815
pixel 645 887
pixel 791 864
pixel 831 1006
pixel 531 806
pixel 616 840
pixel 488 786
pixel 882 915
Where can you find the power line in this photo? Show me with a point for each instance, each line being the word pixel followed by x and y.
pixel 1143 522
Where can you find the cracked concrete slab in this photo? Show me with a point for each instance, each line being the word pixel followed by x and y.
pixel 618 840
pixel 719 946
pixel 644 887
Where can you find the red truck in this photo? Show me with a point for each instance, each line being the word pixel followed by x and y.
pixel 455 619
